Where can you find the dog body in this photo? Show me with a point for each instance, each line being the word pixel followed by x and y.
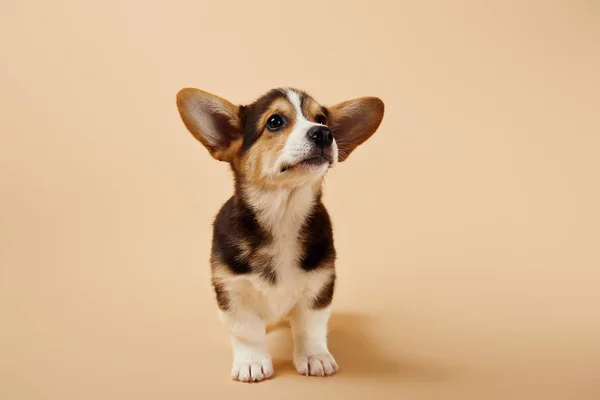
pixel 273 252
pixel 282 272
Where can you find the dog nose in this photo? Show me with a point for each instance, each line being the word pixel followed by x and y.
pixel 320 135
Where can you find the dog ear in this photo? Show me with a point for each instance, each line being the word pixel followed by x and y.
pixel 353 122
pixel 214 121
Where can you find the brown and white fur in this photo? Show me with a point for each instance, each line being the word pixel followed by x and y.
pixel 273 252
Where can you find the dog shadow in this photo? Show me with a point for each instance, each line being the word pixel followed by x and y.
pixel 358 352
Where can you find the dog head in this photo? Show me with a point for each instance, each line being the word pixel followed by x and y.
pixel 285 138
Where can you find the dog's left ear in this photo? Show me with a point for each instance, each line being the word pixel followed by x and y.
pixel 353 122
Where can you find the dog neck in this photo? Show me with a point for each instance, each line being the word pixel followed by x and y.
pixel 280 210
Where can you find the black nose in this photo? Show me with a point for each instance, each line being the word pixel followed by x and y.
pixel 320 135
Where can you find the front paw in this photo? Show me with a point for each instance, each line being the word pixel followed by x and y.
pixel 316 364
pixel 252 370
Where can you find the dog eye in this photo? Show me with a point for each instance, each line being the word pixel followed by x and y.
pixel 320 119
pixel 275 122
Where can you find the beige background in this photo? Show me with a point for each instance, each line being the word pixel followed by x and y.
pixel 467 228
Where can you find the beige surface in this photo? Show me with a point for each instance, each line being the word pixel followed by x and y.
pixel 467 228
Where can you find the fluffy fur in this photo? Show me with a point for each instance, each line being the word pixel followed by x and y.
pixel 273 252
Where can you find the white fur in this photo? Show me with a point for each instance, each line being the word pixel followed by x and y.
pixel 283 211
pixel 251 358
pixel 311 355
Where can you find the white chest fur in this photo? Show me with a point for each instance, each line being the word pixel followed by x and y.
pixel 283 211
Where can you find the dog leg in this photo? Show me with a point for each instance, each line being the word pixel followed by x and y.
pixel 309 329
pixel 251 358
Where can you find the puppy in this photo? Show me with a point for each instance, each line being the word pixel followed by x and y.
pixel 273 252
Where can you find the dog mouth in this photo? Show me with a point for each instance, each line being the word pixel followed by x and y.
pixel 314 161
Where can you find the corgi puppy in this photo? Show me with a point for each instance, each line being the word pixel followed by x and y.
pixel 273 252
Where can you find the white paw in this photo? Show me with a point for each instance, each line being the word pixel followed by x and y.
pixel 316 365
pixel 252 371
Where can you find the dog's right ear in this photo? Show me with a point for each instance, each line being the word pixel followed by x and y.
pixel 214 121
